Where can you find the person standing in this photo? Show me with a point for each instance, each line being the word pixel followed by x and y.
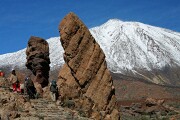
pixel 13 80
pixel 53 89
pixel 1 73
pixel 29 88
pixel 25 85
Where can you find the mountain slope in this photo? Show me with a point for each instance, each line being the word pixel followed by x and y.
pixel 135 45
pixel 131 48
pixel 140 50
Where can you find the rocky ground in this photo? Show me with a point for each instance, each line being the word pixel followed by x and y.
pixel 14 106
pixel 149 109
pixel 136 100
pixel 139 100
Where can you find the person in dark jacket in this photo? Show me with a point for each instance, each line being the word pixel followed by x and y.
pixel 29 88
pixel 54 90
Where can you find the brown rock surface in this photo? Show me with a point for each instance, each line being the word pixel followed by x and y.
pixel 14 106
pixel 84 78
pixel 38 59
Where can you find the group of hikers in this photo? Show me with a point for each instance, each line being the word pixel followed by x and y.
pixel 28 88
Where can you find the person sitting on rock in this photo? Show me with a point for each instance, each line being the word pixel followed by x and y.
pixel 29 88
pixel 54 90
pixel 13 80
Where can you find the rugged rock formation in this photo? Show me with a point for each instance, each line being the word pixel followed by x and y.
pixel 38 59
pixel 84 78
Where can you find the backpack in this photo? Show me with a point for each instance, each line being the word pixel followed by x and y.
pixel 29 82
pixel 53 83
pixel 53 87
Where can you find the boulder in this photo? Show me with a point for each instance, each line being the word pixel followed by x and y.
pixel 153 102
pixel 85 78
pixel 38 59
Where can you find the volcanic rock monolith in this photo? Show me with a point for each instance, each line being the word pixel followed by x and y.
pixel 85 79
pixel 38 59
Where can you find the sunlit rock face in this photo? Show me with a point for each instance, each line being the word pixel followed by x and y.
pixel 85 78
pixel 38 59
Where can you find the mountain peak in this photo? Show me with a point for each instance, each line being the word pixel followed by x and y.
pixel 130 47
pixel 115 20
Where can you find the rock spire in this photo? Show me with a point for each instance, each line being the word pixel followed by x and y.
pixel 38 59
pixel 85 78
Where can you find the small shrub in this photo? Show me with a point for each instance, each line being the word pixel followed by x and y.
pixel 124 88
pixel 145 118
pixel 172 113
pixel 82 113
pixel 68 103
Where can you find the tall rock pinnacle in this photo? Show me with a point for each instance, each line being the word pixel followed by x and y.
pixel 38 59
pixel 85 78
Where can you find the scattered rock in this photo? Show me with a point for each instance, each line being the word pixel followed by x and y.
pixel 153 108
pixel 152 102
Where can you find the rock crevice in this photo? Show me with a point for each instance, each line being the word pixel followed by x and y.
pixel 84 78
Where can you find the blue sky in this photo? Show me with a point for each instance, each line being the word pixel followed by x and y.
pixel 22 18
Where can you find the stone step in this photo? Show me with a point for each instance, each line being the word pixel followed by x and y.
pixel 45 106
pixel 49 114
pixel 52 111
pixel 56 115
pixel 42 102
pixel 56 118
pixel 62 117
pixel 48 109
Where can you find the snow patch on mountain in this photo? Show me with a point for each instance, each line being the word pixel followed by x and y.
pixel 18 59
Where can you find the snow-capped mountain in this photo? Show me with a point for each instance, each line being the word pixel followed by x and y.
pixel 131 48
pixel 130 45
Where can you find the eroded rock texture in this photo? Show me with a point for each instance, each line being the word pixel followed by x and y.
pixel 38 59
pixel 84 78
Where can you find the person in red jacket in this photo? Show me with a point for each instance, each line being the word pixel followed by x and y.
pixel 14 80
pixel 1 73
